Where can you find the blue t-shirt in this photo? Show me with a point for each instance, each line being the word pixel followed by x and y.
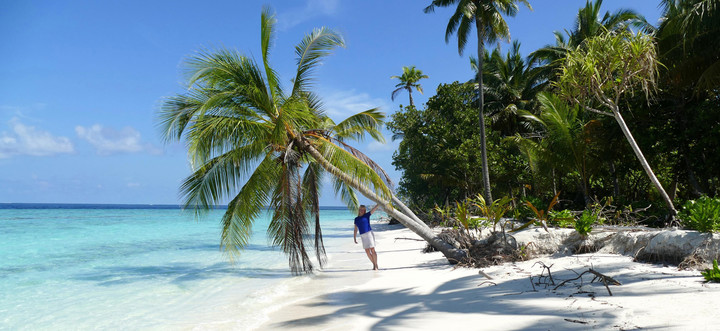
pixel 363 223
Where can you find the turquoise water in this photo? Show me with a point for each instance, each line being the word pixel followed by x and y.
pixel 139 268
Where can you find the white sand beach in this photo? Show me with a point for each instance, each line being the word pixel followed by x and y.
pixel 419 291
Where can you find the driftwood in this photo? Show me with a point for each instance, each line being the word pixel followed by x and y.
pixel 597 276
pixel 403 238
pixel 577 321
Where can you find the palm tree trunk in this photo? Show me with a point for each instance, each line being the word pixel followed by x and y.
pixel 481 103
pixel 453 254
pixel 411 99
pixel 643 161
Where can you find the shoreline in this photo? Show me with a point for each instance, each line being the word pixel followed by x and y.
pixel 415 290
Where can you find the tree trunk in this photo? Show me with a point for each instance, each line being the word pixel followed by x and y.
pixel 411 99
pixel 481 104
pixel 453 254
pixel 643 161
pixel 616 182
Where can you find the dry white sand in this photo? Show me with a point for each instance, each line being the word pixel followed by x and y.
pixel 417 291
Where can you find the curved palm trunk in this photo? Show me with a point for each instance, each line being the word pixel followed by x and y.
pixel 453 254
pixel 643 161
pixel 481 102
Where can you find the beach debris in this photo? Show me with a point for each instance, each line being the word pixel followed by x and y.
pixel 606 280
pixel 577 321
pixel 543 279
pixel 404 238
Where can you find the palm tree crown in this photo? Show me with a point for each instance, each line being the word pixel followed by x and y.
pixel 408 80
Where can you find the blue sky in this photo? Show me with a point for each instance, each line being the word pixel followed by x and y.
pixel 81 81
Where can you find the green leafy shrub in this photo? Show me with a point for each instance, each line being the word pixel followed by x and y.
pixel 712 275
pixel 541 215
pixel 495 211
pixel 563 218
pixel 584 223
pixel 523 211
pixel 702 214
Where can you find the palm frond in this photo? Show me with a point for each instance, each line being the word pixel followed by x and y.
pixel 310 51
pixel 247 206
pixel 312 186
pixel 357 169
pixel 289 226
pixel 356 126
pixel 347 194
pixel 369 162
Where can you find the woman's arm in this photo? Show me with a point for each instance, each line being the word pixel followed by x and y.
pixel 372 211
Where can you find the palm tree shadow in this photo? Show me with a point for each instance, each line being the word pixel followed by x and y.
pixel 508 299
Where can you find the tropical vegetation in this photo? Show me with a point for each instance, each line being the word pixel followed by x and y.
pixel 616 108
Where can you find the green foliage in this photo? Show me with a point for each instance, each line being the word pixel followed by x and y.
pixel 541 215
pixel 523 211
pixel 439 154
pixel 563 218
pixel 494 211
pixel 584 223
pixel 712 275
pixel 702 214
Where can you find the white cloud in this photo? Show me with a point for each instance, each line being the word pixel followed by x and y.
pixel 109 141
pixel 312 9
pixel 27 140
pixel 388 146
pixel 341 104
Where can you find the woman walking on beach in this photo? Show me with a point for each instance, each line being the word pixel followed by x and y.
pixel 362 225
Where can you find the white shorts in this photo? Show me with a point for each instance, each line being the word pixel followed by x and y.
pixel 368 239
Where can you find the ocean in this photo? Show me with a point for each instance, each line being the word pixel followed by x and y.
pixel 139 267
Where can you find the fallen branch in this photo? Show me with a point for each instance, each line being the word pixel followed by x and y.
pixel 597 276
pixel 487 282
pixel 577 321
pixel 403 238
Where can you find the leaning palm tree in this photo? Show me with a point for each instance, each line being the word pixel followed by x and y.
pixel 259 145
pixel 486 15
pixel 604 69
pixel 408 80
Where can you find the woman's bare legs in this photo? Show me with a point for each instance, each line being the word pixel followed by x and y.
pixel 372 255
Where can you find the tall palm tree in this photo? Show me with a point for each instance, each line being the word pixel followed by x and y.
pixel 490 26
pixel 240 124
pixel 408 80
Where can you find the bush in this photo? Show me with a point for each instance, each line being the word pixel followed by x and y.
pixel 712 275
pixel 584 223
pixel 702 214
pixel 563 218
pixel 522 211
